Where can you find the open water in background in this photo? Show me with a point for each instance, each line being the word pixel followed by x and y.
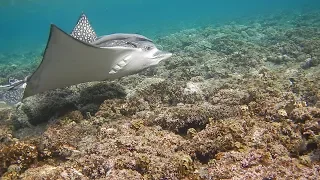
pixel 24 24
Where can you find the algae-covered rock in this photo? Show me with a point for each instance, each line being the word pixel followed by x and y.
pixel 5 112
pixel 52 104
pixel 40 109
pixel 98 93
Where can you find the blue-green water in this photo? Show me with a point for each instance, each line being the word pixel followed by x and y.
pixel 25 24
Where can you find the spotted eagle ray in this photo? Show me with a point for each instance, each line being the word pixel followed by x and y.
pixel 82 56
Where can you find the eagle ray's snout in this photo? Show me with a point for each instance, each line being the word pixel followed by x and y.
pixel 161 55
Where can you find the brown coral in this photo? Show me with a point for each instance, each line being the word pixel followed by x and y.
pixel 19 153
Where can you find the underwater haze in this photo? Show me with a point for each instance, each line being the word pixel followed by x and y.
pixel 25 23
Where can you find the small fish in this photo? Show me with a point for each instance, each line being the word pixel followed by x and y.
pixel 12 97
pixel 12 92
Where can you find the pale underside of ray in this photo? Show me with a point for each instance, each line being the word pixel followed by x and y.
pixel 68 61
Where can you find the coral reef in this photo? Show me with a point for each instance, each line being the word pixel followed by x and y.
pixel 238 101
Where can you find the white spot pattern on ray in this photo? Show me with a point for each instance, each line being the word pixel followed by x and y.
pixel 83 30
